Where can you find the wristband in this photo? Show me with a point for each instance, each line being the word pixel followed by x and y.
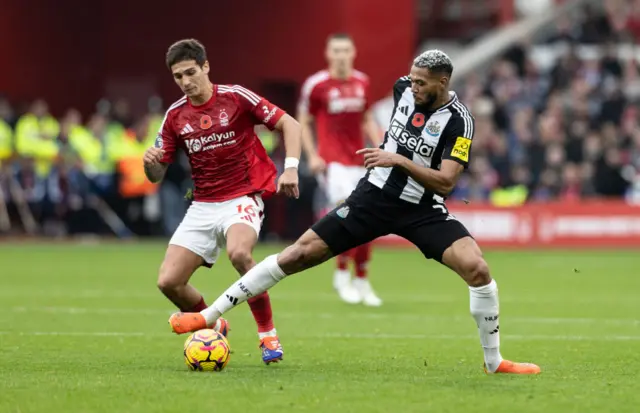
pixel 291 163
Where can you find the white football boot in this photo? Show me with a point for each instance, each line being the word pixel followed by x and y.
pixel 364 289
pixel 346 291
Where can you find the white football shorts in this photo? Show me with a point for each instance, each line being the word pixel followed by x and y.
pixel 339 181
pixel 204 227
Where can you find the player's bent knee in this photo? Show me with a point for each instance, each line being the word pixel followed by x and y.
pixel 240 258
pixel 167 282
pixel 177 268
pixel 173 276
pixel 477 272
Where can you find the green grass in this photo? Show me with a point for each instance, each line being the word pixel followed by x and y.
pixel 83 329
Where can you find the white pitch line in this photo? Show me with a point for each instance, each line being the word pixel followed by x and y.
pixel 84 333
pixel 356 336
pixel 330 316
pixel 507 337
pixel 91 310
pixel 427 298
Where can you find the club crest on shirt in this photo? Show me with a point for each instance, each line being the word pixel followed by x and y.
pixel 223 118
pixel 343 212
pixel 433 128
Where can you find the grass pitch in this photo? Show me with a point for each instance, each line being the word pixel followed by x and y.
pixel 84 329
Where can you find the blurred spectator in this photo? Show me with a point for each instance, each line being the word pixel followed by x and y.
pixel 596 27
pixel 35 137
pixel 547 188
pixel 6 132
pixel 569 132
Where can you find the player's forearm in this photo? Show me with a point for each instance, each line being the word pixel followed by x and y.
pixel 308 145
pixel 431 179
pixel 372 130
pixel 155 173
pixel 373 133
pixel 292 134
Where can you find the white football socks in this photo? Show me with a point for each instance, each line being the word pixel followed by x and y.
pixel 270 333
pixel 257 280
pixel 485 310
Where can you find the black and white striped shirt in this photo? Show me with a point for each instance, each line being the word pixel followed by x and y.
pixel 424 136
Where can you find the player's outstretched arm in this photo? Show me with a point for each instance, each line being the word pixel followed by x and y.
pixel 291 131
pixel 440 182
pixel 371 129
pixel 153 168
pixel 316 163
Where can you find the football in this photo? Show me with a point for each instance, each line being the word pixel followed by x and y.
pixel 206 350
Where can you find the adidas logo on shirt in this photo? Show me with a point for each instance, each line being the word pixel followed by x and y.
pixel 187 129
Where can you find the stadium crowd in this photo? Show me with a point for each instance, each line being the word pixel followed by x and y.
pixel 569 132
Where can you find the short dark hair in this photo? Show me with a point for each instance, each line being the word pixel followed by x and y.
pixel 186 49
pixel 339 36
pixel 436 61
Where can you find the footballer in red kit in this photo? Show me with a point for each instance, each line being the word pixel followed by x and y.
pixel 232 174
pixel 334 103
pixel 226 157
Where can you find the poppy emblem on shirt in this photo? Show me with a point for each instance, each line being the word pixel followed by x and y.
pixel 418 120
pixel 206 122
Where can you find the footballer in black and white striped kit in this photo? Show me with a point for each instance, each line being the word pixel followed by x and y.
pixel 426 148
pixel 425 135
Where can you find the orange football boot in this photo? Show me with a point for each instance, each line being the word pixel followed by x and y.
pixel 511 367
pixel 271 349
pixel 187 322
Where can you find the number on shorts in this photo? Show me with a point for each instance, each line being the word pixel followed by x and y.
pixel 444 211
pixel 248 211
pixel 442 207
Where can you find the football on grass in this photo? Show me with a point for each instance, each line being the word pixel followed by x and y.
pixel 206 350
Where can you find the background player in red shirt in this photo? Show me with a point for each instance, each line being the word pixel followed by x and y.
pixel 214 125
pixel 336 100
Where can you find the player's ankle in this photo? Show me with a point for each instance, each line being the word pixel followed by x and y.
pixel 269 333
pixel 196 308
pixel 492 358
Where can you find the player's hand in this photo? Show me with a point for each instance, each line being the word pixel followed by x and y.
pixel 317 165
pixel 153 156
pixel 377 157
pixel 288 183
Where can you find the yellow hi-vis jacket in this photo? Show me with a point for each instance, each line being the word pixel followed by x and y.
pixel 6 141
pixel 35 138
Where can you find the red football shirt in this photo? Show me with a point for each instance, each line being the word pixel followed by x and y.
pixel 338 107
pixel 227 158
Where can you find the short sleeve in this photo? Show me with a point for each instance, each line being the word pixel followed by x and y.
pixel 363 88
pixel 260 108
pixel 459 136
pixel 310 101
pixel 399 88
pixel 167 139
pixel 267 113
pixel 367 96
